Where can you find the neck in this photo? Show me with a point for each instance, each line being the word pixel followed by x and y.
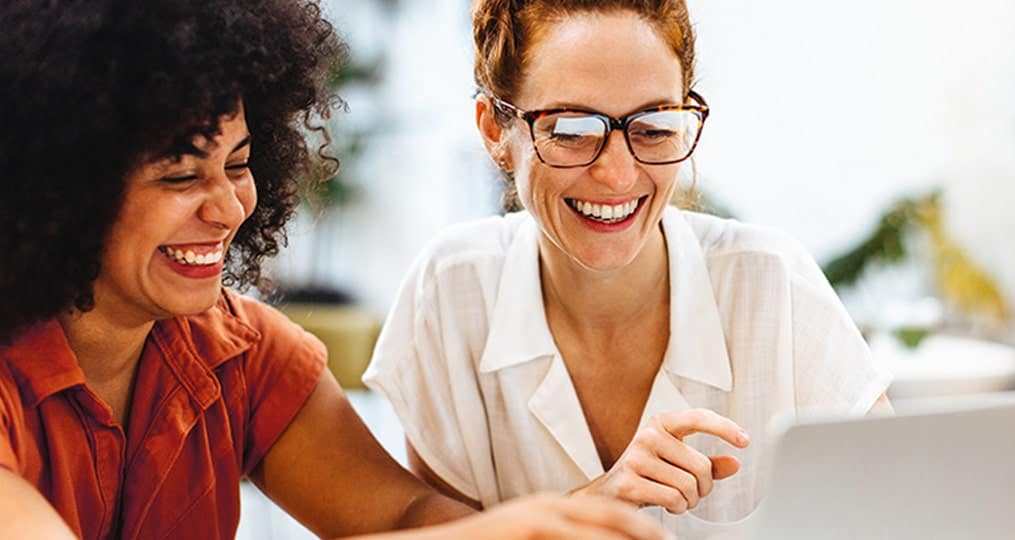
pixel 601 303
pixel 108 350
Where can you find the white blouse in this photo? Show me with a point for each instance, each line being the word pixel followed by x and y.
pixel 468 362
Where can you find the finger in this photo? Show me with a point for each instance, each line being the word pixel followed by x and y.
pixel 644 491
pixel 580 531
pixel 683 423
pixel 724 466
pixel 610 515
pixel 672 476
pixel 555 525
pixel 685 458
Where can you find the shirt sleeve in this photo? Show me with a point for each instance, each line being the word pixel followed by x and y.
pixel 281 371
pixel 834 369
pixel 431 385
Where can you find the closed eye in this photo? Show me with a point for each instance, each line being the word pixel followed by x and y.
pixel 655 133
pixel 179 179
pixel 557 136
pixel 191 177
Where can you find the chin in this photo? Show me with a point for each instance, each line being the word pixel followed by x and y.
pixel 193 304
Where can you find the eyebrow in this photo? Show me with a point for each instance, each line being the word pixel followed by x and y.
pixel 188 149
pixel 241 144
pixel 577 106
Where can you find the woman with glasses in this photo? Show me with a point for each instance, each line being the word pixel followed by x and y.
pixel 150 152
pixel 603 340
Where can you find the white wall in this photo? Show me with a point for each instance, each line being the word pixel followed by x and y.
pixel 428 169
pixel 823 113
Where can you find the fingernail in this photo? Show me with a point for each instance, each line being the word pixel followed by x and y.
pixel 743 438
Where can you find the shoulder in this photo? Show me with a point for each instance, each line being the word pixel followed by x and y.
pixel 721 237
pixel 728 242
pixel 249 311
pixel 240 322
pixel 479 239
pixel 475 249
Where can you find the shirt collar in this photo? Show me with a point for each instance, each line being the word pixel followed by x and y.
pixel 42 360
pixel 697 348
pixel 193 346
pixel 519 331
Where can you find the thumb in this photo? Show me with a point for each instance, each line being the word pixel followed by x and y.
pixel 724 466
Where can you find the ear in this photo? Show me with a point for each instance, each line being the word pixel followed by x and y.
pixel 494 135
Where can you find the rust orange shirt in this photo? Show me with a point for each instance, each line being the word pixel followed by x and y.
pixel 213 393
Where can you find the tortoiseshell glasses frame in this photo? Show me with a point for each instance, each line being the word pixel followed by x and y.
pixel 603 125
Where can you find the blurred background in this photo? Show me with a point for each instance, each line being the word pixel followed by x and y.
pixel 880 134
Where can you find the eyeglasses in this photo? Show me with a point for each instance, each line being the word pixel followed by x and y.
pixel 566 137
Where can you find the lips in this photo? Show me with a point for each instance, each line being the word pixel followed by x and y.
pixel 197 261
pixel 606 213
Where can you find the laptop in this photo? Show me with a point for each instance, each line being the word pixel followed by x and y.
pixel 940 468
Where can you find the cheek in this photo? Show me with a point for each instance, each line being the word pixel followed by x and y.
pixel 542 182
pixel 666 180
pixel 248 198
pixel 139 223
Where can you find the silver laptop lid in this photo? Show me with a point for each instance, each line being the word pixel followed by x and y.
pixel 939 469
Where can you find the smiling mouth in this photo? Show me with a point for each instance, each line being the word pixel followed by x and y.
pixel 606 213
pixel 189 257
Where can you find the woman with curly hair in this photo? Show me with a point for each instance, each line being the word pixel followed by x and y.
pixel 149 154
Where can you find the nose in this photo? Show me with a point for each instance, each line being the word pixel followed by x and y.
pixel 616 166
pixel 223 205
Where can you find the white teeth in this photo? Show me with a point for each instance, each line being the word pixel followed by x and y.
pixel 192 259
pixel 606 213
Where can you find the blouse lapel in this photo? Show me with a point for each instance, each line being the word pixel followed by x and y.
pixel 555 404
pixel 664 397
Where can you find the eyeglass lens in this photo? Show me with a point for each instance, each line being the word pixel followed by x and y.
pixel 572 138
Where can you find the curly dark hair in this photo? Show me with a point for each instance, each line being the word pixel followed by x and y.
pixel 88 87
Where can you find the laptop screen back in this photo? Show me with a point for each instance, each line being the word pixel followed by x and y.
pixel 939 469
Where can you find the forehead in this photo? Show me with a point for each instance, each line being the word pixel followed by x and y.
pixel 232 130
pixel 612 62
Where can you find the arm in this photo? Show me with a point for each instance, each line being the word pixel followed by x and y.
pixel 25 513
pixel 426 474
pixel 329 473
pixel 546 517
pixel 318 469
